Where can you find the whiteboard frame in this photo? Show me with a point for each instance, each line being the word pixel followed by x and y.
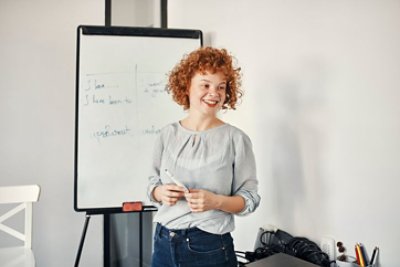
pixel 115 31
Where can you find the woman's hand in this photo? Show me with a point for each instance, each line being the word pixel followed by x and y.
pixel 168 194
pixel 202 200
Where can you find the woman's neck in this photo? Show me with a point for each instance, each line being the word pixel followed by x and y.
pixel 198 123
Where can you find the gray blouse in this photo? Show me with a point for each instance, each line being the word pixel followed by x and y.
pixel 220 160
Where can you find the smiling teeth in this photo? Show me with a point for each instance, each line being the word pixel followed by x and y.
pixel 213 102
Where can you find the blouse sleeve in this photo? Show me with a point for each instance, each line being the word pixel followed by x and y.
pixel 245 181
pixel 154 178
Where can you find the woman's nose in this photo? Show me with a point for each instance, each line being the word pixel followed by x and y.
pixel 212 90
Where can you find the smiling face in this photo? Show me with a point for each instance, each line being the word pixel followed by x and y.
pixel 207 93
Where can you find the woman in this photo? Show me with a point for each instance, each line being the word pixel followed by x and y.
pixel 210 157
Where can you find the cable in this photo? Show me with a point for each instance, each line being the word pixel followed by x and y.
pixel 279 241
pixel 305 249
pixel 275 240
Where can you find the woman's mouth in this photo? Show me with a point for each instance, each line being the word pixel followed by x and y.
pixel 211 102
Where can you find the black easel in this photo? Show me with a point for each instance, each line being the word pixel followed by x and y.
pixel 106 236
pixel 78 255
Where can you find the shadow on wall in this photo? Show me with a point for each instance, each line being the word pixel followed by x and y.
pixel 299 132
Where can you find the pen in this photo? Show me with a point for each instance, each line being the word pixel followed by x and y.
pixel 149 208
pixel 364 254
pixel 175 180
pixel 373 255
pixel 357 255
pixel 362 262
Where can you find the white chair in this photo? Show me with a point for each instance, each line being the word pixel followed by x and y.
pixel 24 196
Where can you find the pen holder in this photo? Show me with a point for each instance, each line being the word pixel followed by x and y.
pixel 350 262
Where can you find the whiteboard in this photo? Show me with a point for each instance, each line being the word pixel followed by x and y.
pixel 121 105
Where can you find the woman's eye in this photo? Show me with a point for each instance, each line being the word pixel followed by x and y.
pixel 222 87
pixel 205 85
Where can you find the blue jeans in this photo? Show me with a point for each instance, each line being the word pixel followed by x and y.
pixel 192 248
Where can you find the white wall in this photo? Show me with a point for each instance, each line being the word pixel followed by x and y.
pixel 37 106
pixel 321 106
pixel 139 13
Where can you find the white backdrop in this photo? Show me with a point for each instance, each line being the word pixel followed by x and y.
pixel 37 113
pixel 321 106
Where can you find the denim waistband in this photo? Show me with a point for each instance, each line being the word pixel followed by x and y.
pixel 163 231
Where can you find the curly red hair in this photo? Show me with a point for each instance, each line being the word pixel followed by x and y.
pixel 205 59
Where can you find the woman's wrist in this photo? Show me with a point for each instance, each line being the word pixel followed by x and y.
pixel 219 201
pixel 154 194
pixel 231 204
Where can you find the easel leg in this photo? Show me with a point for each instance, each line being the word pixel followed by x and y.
pixel 107 240
pixel 141 239
pixel 78 255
